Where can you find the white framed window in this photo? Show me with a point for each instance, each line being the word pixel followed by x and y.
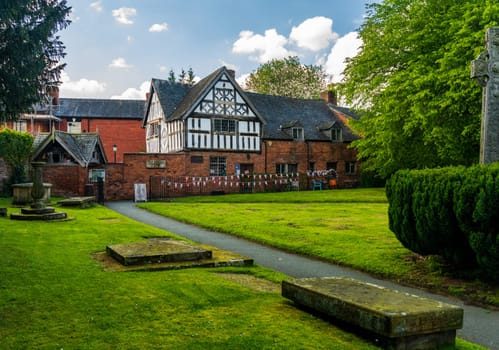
pixel 74 127
pixel 350 168
pixel 20 125
pixel 224 126
pixel 336 134
pixel 218 166
pixel 286 168
pixel 298 134
pixel 153 130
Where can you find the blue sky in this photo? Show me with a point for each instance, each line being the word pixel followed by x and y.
pixel 115 47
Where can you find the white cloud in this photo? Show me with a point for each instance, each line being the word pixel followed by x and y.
pixel 266 47
pixel 129 39
pixel 133 93
pixel 157 27
pixel 119 62
pixel 97 6
pixel 347 46
pixel 80 88
pixel 241 80
pixel 123 14
pixel 163 68
pixel 314 33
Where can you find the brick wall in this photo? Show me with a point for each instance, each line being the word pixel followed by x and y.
pixel 140 167
pixel 127 134
pixel 66 180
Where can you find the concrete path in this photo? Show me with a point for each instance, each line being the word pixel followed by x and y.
pixel 481 326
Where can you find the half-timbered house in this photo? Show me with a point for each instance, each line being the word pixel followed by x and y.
pixel 220 129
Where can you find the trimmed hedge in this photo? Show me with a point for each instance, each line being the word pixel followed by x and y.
pixel 452 212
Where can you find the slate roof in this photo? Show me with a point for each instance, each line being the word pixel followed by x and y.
pixel 282 113
pixel 79 146
pixel 99 108
pixel 170 95
pixel 279 114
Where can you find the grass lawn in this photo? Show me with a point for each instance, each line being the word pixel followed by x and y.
pixel 348 227
pixel 54 295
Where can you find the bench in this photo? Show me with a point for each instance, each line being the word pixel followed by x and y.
pixel 82 202
pixel 398 320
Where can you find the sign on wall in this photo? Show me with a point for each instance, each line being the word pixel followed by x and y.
pixel 140 193
pixel 95 174
pixel 156 164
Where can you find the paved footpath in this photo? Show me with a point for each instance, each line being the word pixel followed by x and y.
pixel 481 326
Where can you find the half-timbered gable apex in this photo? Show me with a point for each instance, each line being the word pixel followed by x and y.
pixel 218 94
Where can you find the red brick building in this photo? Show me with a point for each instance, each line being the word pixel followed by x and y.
pixel 211 136
pixel 118 122
pixel 217 129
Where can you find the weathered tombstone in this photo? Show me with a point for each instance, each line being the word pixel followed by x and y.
pixel 485 69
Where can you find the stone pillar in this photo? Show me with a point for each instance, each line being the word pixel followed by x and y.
pixel 37 191
pixel 485 69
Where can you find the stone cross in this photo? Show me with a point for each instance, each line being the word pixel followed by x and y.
pixel 485 69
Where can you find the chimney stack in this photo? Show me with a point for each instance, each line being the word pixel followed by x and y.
pixel 53 92
pixel 329 97
pixel 232 73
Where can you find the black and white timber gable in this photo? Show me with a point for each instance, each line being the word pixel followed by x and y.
pixel 214 114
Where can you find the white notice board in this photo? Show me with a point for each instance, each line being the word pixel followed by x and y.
pixel 140 193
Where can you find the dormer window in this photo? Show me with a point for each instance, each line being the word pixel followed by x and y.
pixel 336 135
pixel 298 134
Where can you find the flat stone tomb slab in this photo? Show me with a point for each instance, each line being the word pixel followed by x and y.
pixel 38 214
pixel 401 320
pixel 82 202
pixel 156 251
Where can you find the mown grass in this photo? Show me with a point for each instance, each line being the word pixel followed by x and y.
pixel 348 227
pixel 54 295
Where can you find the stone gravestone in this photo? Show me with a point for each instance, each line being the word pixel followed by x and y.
pixel 485 69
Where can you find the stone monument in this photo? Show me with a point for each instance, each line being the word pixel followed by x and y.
pixel 38 210
pixel 485 70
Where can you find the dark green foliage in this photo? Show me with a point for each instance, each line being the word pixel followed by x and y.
pixel 15 149
pixel 30 52
pixel 452 212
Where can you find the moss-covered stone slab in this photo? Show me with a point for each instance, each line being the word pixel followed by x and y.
pixel 82 202
pixel 403 321
pixel 156 251
pixel 39 214
pixel 219 258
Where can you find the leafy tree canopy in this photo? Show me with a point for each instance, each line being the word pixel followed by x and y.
pixel 29 52
pixel 411 83
pixel 15 149
pixel 287 77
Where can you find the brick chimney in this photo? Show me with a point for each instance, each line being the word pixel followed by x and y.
pixel 53 92
pixel 329 97
pixel 232 73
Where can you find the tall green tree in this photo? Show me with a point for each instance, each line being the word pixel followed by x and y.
pixel 30 52
pixel 411 83
pixel 190 76
pixel 287 77
pixel 171 76
pixel 15 149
